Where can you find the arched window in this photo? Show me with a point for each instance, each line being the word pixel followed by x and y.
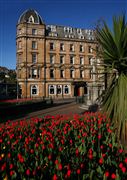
pixel 59 89
pixel 66 89
pixel 51 89
pixel 34 90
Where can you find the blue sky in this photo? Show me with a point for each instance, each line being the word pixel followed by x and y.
pixel 75 13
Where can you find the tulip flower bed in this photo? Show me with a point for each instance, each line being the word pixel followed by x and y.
pixel 62 147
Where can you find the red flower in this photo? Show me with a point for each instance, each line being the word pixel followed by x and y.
pixel 69 173
pixel 3 167
pixel 110 145
pixel 78 171
pixel 102 147
pixel 120 165
pixel 50 157
pixel 21 159
pixel 113 176
pixel 56 161
pixel 101 161
pixel 9 155
pixel 82 165
pixel 125 160
pixel 120 150
pixel 60 149
pixel 55 177
pixel 123 169
pixel 27 172
pixel 60 167
pixel 103 155
pixel 34 172
pixel 70 141
pixel 11 173
pixel 31 151
pixel 43 147
pixel 109 130
pixel 77 152
pixel 90 151
pixel 90 156
pixel 106 173
pixel 11 166
pixel 99 136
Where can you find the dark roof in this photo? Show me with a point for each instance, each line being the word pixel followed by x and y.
pixel 25 17
pixel 70 32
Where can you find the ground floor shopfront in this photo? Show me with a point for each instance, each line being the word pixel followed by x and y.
pixel 61 89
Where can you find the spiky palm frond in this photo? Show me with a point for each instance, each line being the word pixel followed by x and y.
pixel 114 53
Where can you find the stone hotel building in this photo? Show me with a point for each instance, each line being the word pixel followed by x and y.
pixel 56 61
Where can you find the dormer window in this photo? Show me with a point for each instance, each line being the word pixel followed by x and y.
pixel 31 19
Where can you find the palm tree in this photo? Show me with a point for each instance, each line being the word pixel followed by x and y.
pixel 113 45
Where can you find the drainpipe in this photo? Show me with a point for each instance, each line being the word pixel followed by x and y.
pixel 26 60
pixel 44 67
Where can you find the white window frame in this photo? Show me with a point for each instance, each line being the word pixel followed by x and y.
pixel 54 86
pixel 73 60
pixel 34 44
pixel 64 86
pixel 34 72
pixel 73 73
pixel 62 70
pixel 34 31
pixel 72 48
pixel 37 89
pixel 62 58
pixel 58 86
pixel 34 59
pixel 61 46
pixel 52 57
pixel 90 49
pixel 81 73
pixel 81 48
pixel 81 60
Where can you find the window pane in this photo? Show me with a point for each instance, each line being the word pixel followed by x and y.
pixel 66 89
pixel 34 31
pixel 62 47
pixel 51 90
pixel 51 46
pixel 34 45
pixel 34 58
pixel 34 90
pixel 59 90
pixel 62 59
pixel 51 73
pixel 71 47
pixel 61 73
pixel 51 59
pixel 71 59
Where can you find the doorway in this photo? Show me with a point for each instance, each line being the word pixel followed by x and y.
pixel 76 91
